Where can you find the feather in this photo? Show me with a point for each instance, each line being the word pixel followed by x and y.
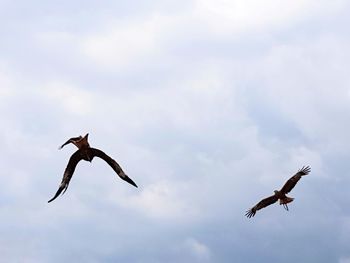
pixel 68 173
pixel 263 203
pixel 291 183
pixel 115 166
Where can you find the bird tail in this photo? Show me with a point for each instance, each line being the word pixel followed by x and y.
pixel 286 200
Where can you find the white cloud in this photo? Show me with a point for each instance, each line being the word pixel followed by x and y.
pixel 225 16
pixel 163 200
pixel 302 83
pixel 122 44
pixel 300 156
pixel 200 99
pixel 73 99
pixel 198 249
pixel 56 40
pixel 5 86
pixel 7 82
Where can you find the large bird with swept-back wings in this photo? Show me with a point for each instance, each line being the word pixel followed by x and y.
pixel 85 152
pixel 281 194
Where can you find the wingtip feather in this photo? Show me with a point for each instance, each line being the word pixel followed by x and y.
pixel 250 213
pixel 53 198
pixel 129 180
pixel 305 170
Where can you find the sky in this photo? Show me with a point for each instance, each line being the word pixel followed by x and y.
pixel 207 105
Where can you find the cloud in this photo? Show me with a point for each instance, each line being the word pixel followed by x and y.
pixel 209 107
pixel 164 201
pixel 5 83
pixel 198 249
pixel 122 45
pixel 73 99
pixel 227 17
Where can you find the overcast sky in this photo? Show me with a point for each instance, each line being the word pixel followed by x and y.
pixel 207 105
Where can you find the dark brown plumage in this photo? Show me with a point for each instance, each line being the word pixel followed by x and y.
pixel 85 152
pixel 73 140
pixel 281 194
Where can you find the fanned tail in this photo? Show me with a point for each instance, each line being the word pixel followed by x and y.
pixel 285 201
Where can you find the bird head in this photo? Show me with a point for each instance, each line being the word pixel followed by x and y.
pixel 77 139
pixel 276 192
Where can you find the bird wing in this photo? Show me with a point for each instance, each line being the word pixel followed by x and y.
pixel 263 203
pixel 290 184
pixel 68 173
pixel 115 166
pixel 71 140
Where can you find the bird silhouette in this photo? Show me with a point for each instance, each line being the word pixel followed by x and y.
pixel 87 153
pixel 281 194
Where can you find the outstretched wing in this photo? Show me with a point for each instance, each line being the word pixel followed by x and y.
pixel 289 185
pixel 115 166
pixel 263 203
pixel 71 140
pixel 68 173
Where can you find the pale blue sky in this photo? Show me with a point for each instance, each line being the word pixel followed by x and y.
pixel 208 106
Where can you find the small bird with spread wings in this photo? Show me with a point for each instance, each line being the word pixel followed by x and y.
pixel 85 152
pixel 281 194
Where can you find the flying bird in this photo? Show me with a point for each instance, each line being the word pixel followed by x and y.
pixel 281 194
pixel 87 153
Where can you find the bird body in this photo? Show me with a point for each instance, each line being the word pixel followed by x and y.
pixel 281 194
pixel 284 200
pixel 87 153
